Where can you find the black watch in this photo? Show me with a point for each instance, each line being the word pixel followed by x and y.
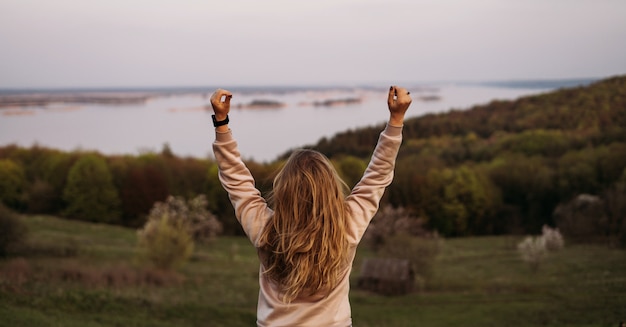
pixel 219 123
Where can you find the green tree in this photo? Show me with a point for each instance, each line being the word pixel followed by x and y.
pixel 527 184
pixel 54 172
pixel 461 201
pixel 578 173
pixel 143 184
pixel 350 169
pixel 90 193
pixel 549 143
pixel 409 188
pixel 41 197
pixel 12 183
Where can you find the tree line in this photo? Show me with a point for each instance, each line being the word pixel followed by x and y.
pixel 501 167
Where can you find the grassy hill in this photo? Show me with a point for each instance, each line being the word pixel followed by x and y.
pixel 74 273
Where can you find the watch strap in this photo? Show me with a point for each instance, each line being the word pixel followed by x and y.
pixel 221 122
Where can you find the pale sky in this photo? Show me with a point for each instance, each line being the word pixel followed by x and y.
pixel 148 43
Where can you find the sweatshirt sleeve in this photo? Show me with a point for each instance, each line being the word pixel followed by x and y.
pixel 250 207
pixel 365 197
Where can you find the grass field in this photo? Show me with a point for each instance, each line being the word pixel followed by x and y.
pixel 80 274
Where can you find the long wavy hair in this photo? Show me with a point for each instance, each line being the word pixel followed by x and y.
pixel 304 245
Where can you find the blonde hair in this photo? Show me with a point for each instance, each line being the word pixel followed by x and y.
pixel 305 246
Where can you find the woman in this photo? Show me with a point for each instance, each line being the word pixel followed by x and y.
pixel 307 233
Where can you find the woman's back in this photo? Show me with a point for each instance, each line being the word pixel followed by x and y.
pixel 307 237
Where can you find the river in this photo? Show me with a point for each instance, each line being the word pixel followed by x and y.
pixel 182 121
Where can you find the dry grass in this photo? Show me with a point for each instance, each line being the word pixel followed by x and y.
pixel 17 272
pixel 478 281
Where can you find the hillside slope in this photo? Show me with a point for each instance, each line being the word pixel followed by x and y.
pixel 597 110
pixel 505 166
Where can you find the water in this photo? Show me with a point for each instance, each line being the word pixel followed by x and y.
pixel 263 134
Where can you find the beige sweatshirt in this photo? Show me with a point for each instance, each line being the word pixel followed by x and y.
pixel 253 212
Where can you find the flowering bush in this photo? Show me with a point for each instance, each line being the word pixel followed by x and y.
pixel 533 251
pixel 167 239
pixel 389 222
pixel 553 238
pixel 166 242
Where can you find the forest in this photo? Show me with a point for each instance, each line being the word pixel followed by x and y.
pixel 502 167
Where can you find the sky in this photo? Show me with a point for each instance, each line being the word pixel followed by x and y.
pixel 177 43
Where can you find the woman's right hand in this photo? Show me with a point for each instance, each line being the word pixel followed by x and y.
pixel 221 108
pixel 398 102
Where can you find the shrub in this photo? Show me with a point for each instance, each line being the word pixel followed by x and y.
pixel 582 219
pixel 390 221
pixel 166 241
pixel 204 225
pixel 395 233
pixel 167 238
pixel 533 251
pixel 553 238
pixel 201 223
pixel 421 252
pixel 12 231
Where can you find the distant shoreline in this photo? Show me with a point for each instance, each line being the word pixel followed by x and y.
pixel 12 98
pixel 39 99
